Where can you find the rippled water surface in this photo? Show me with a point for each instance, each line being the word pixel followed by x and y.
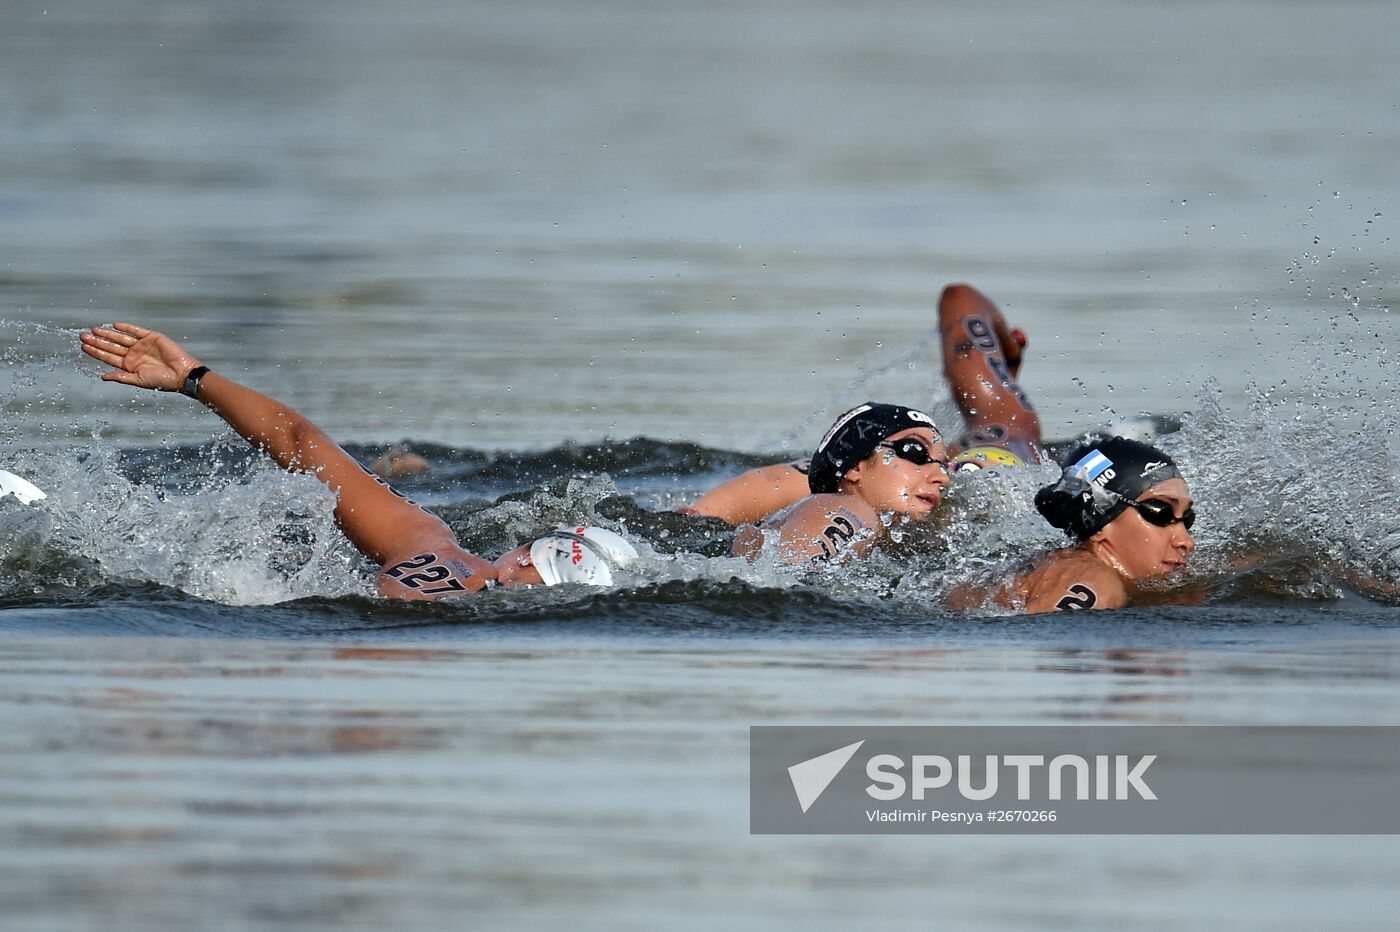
pixel 531 781
pixel 591 259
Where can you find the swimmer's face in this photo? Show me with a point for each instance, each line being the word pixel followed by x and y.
pixel 891 482
pixel 513 568
pixel 1141 549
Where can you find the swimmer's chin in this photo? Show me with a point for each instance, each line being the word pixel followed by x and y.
pixel 1169 571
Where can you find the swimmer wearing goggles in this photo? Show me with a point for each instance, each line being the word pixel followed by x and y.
pixel 981 360
pixel 1132 531
pixel 876 460
pixel 1130 514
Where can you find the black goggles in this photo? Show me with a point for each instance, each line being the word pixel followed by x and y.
pixel 1155 511
pixel 913 451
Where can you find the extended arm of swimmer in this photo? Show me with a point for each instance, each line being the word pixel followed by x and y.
pixel 381 523
pixel 756 494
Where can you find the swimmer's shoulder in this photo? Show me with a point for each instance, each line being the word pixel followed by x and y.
pixel 819 527
pixel 435 570
pixel 817 509
pixel 1071 580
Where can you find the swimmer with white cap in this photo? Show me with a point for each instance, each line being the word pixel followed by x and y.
pixel 981 360
pixel 418 554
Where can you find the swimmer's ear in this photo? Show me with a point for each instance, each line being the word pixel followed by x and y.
pixel 853 474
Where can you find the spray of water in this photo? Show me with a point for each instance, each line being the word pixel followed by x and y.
pixel 1298 495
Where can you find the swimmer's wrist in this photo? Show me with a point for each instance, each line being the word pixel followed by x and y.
pixel 190 385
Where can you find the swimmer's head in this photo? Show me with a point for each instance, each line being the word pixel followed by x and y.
pixel 581 554
pixel 1100 481
pixel 855 436
pixel 976 458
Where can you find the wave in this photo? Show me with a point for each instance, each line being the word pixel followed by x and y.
pixel 190 529
pixel 1298 497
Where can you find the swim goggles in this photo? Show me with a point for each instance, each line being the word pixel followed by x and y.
pixel 912 451
pixel 1155 511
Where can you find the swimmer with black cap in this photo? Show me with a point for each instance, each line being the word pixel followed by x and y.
pixel 981 362
pixel 1130 513
pixel 877 459
pixel 418 554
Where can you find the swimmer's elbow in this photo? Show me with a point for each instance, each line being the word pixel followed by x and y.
pixel 295 446
pixel 959 291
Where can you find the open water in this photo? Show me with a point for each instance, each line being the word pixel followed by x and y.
pixel 591 259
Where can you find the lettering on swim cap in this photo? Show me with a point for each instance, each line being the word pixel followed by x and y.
pixel 584 554
pixel 1100 481
pixel 841 422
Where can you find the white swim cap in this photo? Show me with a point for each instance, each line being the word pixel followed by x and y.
pixel 22 489
pixel 580 555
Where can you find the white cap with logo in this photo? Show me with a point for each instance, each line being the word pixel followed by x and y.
pixel 580 554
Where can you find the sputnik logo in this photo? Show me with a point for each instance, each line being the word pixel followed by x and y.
pixel 811 777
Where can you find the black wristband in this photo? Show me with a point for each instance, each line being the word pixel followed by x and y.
pixel 191 386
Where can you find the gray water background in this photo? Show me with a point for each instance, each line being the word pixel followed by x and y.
pixel 504 225
pixel 509 225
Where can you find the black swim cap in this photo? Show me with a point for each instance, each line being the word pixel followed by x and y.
pixel 855 435
pixel 1100 479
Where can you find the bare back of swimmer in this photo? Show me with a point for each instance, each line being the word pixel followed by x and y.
pixel 981 359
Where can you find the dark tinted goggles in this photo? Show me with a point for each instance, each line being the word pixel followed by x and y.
pixel 1155 511
pixel 913 451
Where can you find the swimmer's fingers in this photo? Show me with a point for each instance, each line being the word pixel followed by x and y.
pixel 142 357
pixel 136 331
pixel 126 378
pixel 101 350
pixel 113 360
pixel 112 335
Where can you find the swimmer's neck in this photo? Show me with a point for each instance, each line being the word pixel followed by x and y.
pixel 1110 560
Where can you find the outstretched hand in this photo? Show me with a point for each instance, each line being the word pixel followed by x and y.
pixel 139 357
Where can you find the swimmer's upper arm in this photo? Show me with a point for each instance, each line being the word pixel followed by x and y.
pixel 435 572
pixel 380 522
pixel 755 494
pixel 1074 587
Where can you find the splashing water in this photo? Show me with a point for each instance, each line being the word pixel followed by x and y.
pixel 1298 495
